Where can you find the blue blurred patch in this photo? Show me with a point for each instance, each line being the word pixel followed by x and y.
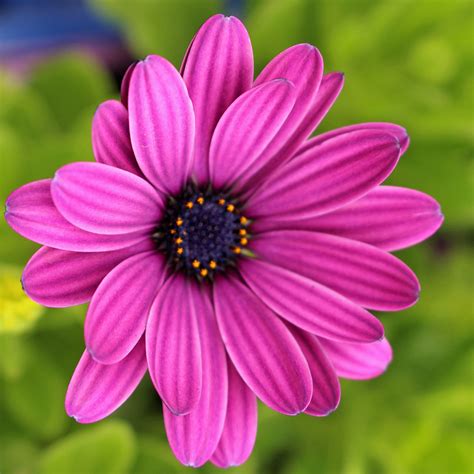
pixel 33 26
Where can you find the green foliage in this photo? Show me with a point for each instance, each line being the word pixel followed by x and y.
pixel 406 61
pixel 163 27
pixel 34 398
pixel 70 84
pixel 108 448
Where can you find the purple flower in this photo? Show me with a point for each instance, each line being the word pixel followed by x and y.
pixel 220 248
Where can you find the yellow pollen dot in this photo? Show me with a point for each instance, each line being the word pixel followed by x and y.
pixel 244 241
pixel 180 250
pixel 230 207
pixel 173 231
pixel 196 263
pixel 237 250
pixel 189 205
pixel 221 202
pixel 179 221
pixel 242 232
pixel 243 220
pixel 179 240
pixel 204 272
pixel 213 264
pixel 200 200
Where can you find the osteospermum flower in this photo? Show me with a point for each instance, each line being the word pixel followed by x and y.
pixel 220 248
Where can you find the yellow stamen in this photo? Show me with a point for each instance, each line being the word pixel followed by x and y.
pixel 173 231
pixel 243 220
pixel 244 241
pixel 180 250
pixel 200 200
pixel 230 207
pixel 213 264
pixel 204 272
pixel 196 263
pixel 179 240
pixel 221 202
pixel 237 250
pixel 179 221
pixel 189 205
pixel 242 232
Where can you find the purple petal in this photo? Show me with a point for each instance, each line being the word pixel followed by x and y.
pixel 100 198
pixel 97 390
pixel 172 344
pixel 362 273
pixel 303 66
pixel 358 361
pixel 218 68
pixel 261 348
pixel 247 127
pixel 194 437
pixel 161 123
pixel 386 127
pixel 30 211
pixel 118 312
pixel 326 387
pixel 309 305
pixel 388 217
pixel 329 90
pixel 57 278
pixel 124 87
pixel 240 429
pixel 327 176
pixel 111 138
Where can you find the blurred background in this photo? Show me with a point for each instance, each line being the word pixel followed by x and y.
pixel 406 61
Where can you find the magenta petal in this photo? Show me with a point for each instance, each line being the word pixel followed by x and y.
pixel 326 387
pixel 97 390
pixel 358 361
pixel 172 344
pixel 261 348
pixel 57 278
pixel 388 217
pixel 240 429
pixel 362 273
pixel 30 211
pixel 194 437
pixel 386 127
pixel 218 68
pixel 161 123
pixel 247 127
pixel 111 137
pixel 118 312
pixel 125 85
pixel 309 305
pixel 327 176
pixel 99 198
pixel 329 90
pixel 303 66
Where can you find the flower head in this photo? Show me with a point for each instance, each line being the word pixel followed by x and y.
pixel 221 248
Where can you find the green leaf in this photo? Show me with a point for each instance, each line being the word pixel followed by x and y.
pixel 108 448
pixel 24 110
pixel 35 399
pixel 70 84
pixel 18 455
pixel 154 456
pixel 14 356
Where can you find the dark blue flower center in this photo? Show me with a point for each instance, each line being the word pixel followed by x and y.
pixel 203 232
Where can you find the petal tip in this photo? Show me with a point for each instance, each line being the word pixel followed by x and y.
pixel 331 410
pixel 296 413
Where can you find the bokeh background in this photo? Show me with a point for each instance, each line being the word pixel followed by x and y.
pixel 406 61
